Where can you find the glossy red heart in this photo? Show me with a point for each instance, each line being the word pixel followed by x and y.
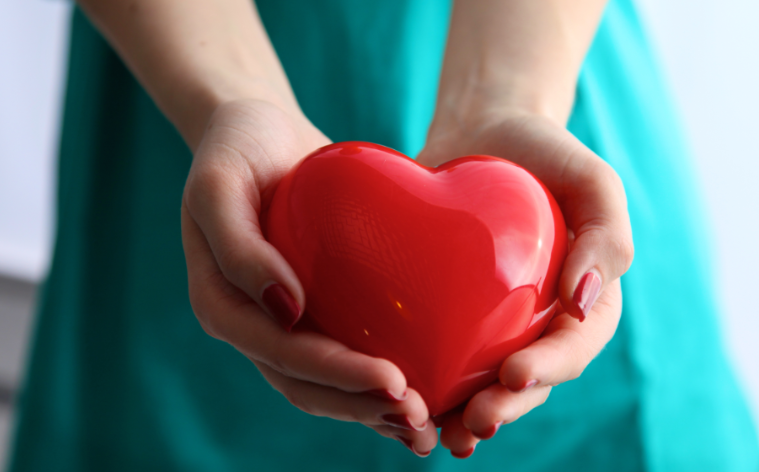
pixel 444 271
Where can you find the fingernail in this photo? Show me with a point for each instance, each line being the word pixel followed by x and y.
pixel 463 454
pixel 437 420
pixel 401 421
pixel 587 293
pixel 387 395
pixel 528 384
pixel 281 305
pixel 488 433
pixel 410 445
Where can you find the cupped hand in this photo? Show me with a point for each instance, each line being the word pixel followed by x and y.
pixel 592 199
pixel 244 292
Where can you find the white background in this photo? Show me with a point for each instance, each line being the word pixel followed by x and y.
pixel 32 57
pixel 709 49
pixel 710 52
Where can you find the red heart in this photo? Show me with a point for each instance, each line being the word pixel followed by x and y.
pixel 444 271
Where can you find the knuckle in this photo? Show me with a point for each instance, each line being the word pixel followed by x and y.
pixel 613 177
pixel 353 414
pixel 204 307
pixel 576 350
pixel 239 266
pixel 577 366
pixel 229 261
pixel 202 181
pixel 198 304
pixel 212 325
pixel 273 352
pixel 297 399
pixel 599 176
pixel 276 354
pixel 573 373
pixel 584 354
pixel 626 250
pixel 544 397
pixel 278 364
pixel 198 299
pixel 206 327
pixel 604 174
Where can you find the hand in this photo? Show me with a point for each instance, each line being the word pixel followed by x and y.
pixel 594 205
pixel 245 293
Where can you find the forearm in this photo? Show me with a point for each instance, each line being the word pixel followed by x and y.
pixel 515 54
pixel 192 55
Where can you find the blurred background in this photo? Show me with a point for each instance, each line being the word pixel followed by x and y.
pixel 709 51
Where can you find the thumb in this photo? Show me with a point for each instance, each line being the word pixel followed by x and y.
pixel 225 206
pixel 592 197
pixel 601 243
pixel 597 257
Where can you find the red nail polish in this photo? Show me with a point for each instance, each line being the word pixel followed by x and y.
pixel 401 421
pixel 410 445
pixel 586 293
pixel 528 384
pixel 463 454
pixel 387 395
pixel 488 433
pixel 281 305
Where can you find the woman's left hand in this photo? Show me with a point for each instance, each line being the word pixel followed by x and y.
pixel 593 202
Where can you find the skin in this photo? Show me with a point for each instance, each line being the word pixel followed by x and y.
pixel 507 89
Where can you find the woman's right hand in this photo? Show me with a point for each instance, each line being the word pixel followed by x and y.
pixel 244 292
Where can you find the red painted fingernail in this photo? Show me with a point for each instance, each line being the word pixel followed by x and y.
pixel 437 420
pixel 401 421
pixel 387 395
pixel 528 384
pixel 281 305
pixel 463 454
pixel 488 433
pixel 586 293
pixel 410 445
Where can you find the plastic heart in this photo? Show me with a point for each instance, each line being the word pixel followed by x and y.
pixel 444 271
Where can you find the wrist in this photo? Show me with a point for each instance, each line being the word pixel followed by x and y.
pixel 475 103
pixel 189 106
pixel 469 121
pixel 193 55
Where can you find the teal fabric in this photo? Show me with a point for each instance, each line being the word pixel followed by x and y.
pixel 122 378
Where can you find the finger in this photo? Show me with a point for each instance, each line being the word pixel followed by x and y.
pixel 497 405
pixel 227 313
pixel 230 171
pixel 420 443
pixel 589 192
pixel 595 208
pixel 439 420
pixel 592 199
pixel 319 400
pixel 230 224
pixel 455 437
pixel 566 347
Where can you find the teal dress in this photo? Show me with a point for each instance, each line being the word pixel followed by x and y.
pixel 121 376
